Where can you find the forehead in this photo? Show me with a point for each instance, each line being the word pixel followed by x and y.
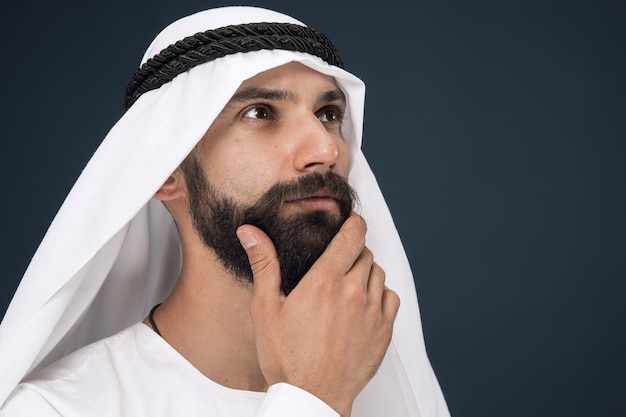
pixel 290 75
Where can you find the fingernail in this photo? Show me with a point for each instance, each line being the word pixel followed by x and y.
pixel 246 239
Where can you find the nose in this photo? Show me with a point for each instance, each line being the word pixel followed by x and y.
pixel 316 148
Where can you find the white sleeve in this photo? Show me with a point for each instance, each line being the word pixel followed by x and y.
pixel 284 400
pixel 25 402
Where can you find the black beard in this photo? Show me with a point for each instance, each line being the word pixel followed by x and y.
pixel 299 238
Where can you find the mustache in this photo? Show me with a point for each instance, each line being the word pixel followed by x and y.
pixel 333 185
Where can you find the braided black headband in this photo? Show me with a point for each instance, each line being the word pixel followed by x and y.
pixel 212 44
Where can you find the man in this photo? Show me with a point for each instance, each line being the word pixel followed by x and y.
pixel 223 193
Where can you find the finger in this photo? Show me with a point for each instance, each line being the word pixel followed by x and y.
pixel 362 269
pixel 390 304
pixel 344 249
pixel 376 283
pixel 264 264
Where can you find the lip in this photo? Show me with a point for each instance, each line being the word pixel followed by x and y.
pixel 322 200
pixel 321 193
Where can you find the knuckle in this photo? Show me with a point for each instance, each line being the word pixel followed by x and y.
pixel 359 240
pixel 324 286
pixel 368 256
pixel 362 225
pixel 355 293
pixel 378 271
pixel 391 304
pixel 354 232
pixel 261 264
pixel 394 299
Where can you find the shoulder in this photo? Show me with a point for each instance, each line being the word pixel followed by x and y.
pixel 82 379
pixel 91 360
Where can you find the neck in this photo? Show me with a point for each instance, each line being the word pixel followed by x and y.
pixel 206 320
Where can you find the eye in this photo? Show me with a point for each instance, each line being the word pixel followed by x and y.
pixel 330 114
pixel 257 112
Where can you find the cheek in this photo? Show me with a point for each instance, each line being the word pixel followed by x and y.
pixel 240 164
pixel 243 175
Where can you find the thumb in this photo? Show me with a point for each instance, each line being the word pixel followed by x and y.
pixel 263 262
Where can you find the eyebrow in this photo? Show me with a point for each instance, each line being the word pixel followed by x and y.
pixel 260 93
pixel 333 95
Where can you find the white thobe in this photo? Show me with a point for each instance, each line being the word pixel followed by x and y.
pixel 137 373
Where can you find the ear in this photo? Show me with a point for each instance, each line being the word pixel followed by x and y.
pixel 172 188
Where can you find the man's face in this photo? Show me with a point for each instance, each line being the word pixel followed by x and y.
pixel 274 158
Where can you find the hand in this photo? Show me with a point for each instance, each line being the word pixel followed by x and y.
pixel 331 333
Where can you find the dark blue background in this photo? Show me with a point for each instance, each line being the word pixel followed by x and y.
pixel 496 129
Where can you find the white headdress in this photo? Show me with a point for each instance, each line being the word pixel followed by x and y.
pixel 112 252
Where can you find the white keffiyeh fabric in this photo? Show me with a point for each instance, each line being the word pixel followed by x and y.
pixel 112 252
